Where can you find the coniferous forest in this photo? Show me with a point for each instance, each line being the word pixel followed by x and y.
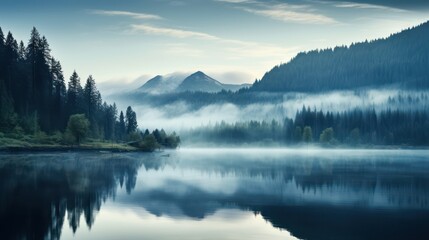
pixel 358 127
pixel 400 60
pixel 35 101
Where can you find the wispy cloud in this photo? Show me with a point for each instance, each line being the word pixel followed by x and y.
pixel 284 14
pixel 171 32
pixel 232 1
pixel 238 48
pixel 366 6
pixel 127 14
pixel 295 13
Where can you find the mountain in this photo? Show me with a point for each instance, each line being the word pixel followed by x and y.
pixel 196 82
pixel 401 60
pixel 163 84
pixel 200 82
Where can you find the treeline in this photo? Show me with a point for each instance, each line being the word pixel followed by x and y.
pixel 363 126
pixel 401 60
pixel 34 98
pixel 413 101
pixel 354 127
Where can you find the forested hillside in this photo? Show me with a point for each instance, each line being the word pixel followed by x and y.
pixel 401 60
pixel 34 97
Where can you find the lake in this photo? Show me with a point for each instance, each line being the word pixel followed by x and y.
pixel 216 194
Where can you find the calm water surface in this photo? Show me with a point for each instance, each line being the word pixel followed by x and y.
pixel 216 194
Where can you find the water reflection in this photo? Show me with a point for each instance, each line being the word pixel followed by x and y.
pixel 38 190
pixel 312 194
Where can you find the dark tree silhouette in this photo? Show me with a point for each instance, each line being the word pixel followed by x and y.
pixel 130 120
pixel 34 97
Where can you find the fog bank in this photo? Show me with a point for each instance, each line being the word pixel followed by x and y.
pixel 181 115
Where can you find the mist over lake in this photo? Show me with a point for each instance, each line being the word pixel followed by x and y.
pixel 231 193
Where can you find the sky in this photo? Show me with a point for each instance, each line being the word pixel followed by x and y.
pixel 235 41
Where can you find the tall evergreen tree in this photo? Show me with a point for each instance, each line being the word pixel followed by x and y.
pixel 7 115
pixel 91 102
pixel 21 51
pixel 1 51
pixel 90 94
pixel 121 128
pixel 130 120
pixel 1 38
pixel 110 115
pixel 59 95
pixel 32 56
pixel 74 94
pixel 11 57
pixel 2 46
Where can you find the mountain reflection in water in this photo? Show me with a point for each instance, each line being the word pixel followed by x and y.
pixel 313 194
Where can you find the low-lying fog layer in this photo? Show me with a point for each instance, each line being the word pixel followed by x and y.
pixel 182 116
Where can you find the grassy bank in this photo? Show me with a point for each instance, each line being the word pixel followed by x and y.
pixel 31 143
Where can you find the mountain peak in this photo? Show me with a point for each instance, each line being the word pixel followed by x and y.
pixel 200 82
pixel 199 73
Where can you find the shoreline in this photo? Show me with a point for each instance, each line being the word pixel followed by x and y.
pixel 17 149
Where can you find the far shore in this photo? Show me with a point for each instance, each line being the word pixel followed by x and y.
pixel 129 149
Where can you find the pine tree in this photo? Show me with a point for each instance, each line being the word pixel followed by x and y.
pixel 11 48
pixel 1 38
pixel 110 115
pixel 59 95
pixel 91 102
pixel 74 94
pixel 121 129
pixel 32 56
pixel 21 51
pixel 11 57
pixel 130 120
pixel 90 95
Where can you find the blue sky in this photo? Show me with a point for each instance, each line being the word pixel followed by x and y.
pixel 232 40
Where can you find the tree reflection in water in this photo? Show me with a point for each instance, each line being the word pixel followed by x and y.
pixel 314 196
pixel 38 190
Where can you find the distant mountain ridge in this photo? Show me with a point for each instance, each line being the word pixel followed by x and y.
pixel 196 82
pixel 401 60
